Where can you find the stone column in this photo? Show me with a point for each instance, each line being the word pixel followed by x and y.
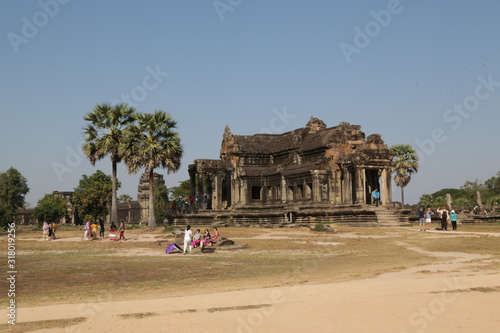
pixel 283 189
pixel 243 192
pixel 316 191
pixel 360 185
pixel 347 187
pixel 201 187
pixel 192 182
pixel 235 189
pixel 385 184
pixel 217 193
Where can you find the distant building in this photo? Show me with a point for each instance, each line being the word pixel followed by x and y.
pixel 132 211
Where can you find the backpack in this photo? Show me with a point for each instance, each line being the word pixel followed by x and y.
pixel 445 214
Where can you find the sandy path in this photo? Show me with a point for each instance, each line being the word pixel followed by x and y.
pixel 431 298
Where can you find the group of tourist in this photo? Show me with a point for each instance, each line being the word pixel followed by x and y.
pixel 445 216
pixel 49 231
pixel 192 241
pixel 189 205
pixel 90 231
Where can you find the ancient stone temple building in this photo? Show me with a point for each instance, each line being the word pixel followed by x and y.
pixel 307 168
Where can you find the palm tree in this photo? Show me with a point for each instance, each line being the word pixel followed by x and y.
pixel 152 142
pixel 404 163
pixel 104 135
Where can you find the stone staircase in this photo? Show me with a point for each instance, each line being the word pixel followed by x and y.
pixel 391 218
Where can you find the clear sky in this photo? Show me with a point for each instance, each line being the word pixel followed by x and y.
pixel 425 73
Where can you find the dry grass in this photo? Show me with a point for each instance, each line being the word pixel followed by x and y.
pixel 139 315
pixel 38 325
pixel 75 271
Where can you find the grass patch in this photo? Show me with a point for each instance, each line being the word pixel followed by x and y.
pixel 319 227
pixel 486 289
pixel 138 315
pixel 42 324
pixel 242 307
pixel 476 289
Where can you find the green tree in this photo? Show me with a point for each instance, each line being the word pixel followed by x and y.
pixel 470 190
pixel 50 208
pixel 13 189
pixel 426 201
pixel 104 135
pixel 404 164
pixel 150 143
pixel 160 200
pixel 181 191
pixel 92 197
pixel 493 184
pixel 124 198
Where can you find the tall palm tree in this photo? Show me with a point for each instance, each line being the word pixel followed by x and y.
pixel 152 142
pixel 104 135
pixel 404 164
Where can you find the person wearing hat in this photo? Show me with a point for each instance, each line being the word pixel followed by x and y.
pixel 453 217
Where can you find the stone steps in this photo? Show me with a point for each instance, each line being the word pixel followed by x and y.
pixel 366 216
pixel 391 218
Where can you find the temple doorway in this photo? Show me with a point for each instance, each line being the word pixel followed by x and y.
pixel 372 183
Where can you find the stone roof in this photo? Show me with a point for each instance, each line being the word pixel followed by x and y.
pixel 309 138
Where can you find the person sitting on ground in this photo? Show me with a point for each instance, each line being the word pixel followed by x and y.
pixel 196 238
pixel 206 238
pixel 215 237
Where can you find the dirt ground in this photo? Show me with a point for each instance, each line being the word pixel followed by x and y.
pixel 287 280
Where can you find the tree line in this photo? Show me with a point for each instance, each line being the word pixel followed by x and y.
pixel 140 140
pixel 467 194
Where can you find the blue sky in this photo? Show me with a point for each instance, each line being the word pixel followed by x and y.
pixel 424 73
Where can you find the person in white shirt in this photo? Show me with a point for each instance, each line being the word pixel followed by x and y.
pixel 188 238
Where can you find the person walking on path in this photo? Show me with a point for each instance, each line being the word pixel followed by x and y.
pixel 453 217
pixel 101 228
pixel 87 235
pixel 421 218
pixel 54 228
pixel 188 240
pixel 94 230
pixel 376 197
pixel 45 231
pixel 121 230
